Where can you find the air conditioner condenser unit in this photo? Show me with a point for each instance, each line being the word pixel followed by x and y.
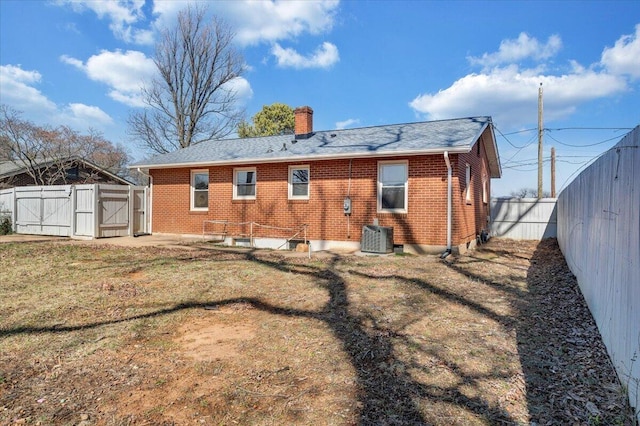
pixel 377 239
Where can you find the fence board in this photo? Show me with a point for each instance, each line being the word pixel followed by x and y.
pixel 599 234
pixel 523 218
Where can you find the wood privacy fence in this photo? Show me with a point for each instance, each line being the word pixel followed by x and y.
pixel 523 218
pixel 599 234
pixel 81 211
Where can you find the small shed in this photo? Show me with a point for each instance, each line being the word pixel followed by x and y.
pixel 77 211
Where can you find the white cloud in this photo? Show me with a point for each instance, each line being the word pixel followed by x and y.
pixel 17 88
pixel 254 21
pixel 324 57
pixel 123 72
pixel 509 92
pixel 523 47
pixel 510 95
pixel 88 114
pixel 270 21
pixel 122 14
pixel 242 89
pixel 347 123
pixel 624 56
pixel 18 91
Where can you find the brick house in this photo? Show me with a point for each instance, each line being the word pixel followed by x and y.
pixel 429 181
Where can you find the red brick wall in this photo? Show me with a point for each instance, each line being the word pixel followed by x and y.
pixel 470 217
pixel 424 223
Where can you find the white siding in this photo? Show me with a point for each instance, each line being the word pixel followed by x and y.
pixel 599 234
pixel 523 218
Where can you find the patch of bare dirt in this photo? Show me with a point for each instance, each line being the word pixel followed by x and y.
pixel 206 339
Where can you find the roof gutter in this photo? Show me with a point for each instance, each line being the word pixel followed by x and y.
pixel 447 252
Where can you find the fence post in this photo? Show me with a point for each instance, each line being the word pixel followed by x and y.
pixel 74 206
pixel 96 210
pixel 130 204
pixel 14 209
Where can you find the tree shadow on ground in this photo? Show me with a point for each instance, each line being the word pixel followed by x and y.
pixel 568 376
pixel 387 393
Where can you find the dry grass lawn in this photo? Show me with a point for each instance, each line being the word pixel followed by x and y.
pixel 105 335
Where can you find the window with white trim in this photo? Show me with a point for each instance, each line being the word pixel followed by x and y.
pixel 393 186
pixel 467 196
pixel 244 184
pixel 200 190
pixel 299 182
pixel 485 191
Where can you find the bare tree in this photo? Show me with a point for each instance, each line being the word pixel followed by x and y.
pixel 529 193
pixel 193 99
pixel 48 153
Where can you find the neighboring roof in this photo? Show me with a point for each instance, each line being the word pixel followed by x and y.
pixel 12 168
pixel 430 137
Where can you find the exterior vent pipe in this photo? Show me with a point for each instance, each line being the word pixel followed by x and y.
pixel 447 252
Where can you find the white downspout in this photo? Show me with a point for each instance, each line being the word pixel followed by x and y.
pixel 149 207
pixel 449 192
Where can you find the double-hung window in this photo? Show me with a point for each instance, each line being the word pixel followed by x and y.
pixel 392 186
pixel 298 182
pixel 244 184
pixel 199 190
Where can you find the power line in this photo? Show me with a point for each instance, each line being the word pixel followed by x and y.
pixel 557 156
pixel 519 131
pixel 531 141
pixel 507 139
pixel 587 145
pixel 592 160
pixel 589 128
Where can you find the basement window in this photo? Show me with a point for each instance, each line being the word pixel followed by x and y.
pixel 200 190
pixel 392 186
pixel 244 184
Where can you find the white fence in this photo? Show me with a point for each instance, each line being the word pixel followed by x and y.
pixel 92 211
pixel 599 234
pixel 523 218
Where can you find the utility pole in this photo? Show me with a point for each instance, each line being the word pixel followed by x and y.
pixel 553 172
pixel 540 130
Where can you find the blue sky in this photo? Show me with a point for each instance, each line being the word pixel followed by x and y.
pixel 356 63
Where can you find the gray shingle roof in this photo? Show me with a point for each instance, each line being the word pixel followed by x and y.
pixel 12 168
pixel 456 135
pixel 8 167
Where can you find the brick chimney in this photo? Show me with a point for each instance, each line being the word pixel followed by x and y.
pixel 304 122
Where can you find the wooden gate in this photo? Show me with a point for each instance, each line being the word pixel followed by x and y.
pixel 121 210
pixel 43 210
pixel 91 210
